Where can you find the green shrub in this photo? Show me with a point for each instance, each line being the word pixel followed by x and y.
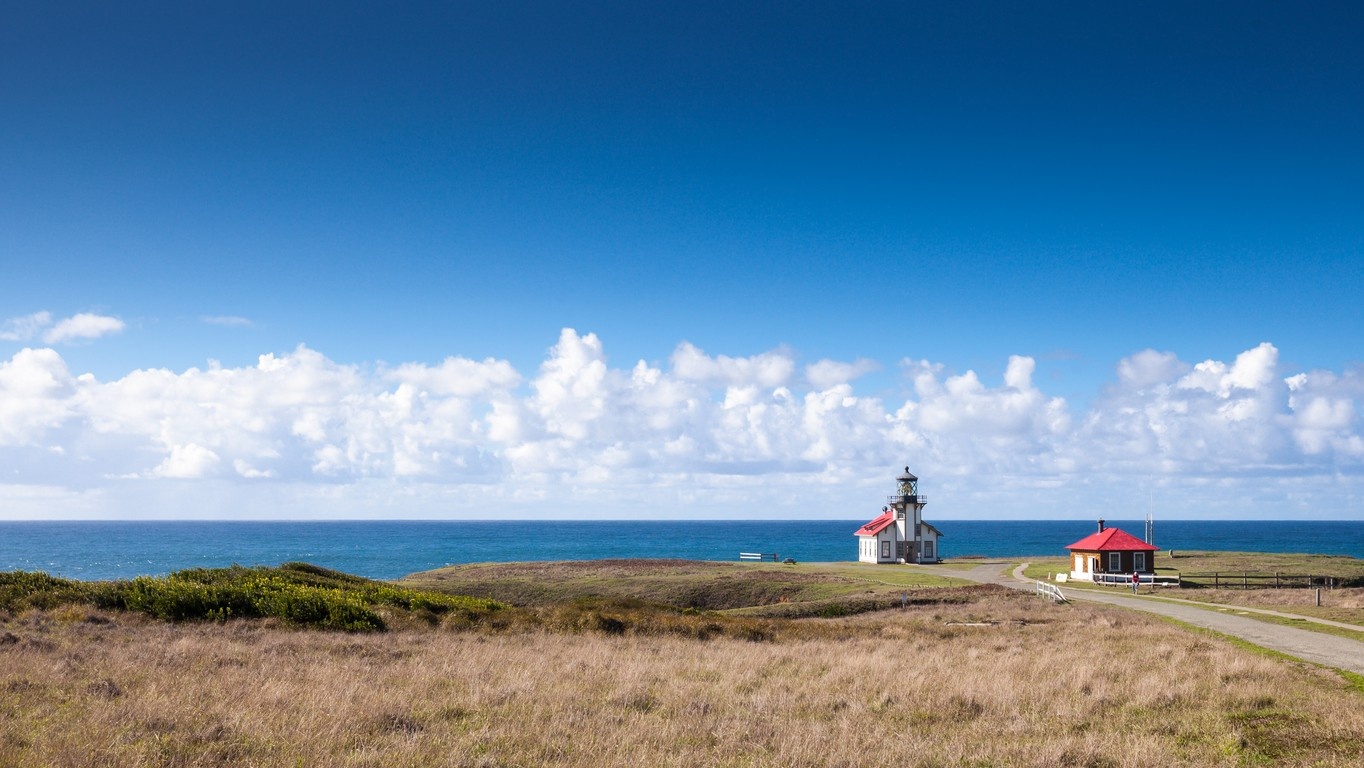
pixel 20 590
pixel 321 573
pixel 296 593
pixel 174 599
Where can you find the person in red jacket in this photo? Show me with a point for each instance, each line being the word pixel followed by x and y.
pixel 1136 581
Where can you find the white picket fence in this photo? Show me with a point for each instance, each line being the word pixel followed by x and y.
pixel 1052 591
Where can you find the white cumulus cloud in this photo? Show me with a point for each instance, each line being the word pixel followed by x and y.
pixel 227 321
pixel 37 394
pixel 83 326
pixel 830 373
pixel 769 369
pixel 25 328
pixel 186 461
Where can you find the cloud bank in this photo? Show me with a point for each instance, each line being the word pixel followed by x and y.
pixel 300 435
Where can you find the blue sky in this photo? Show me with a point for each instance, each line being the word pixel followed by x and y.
pixel 768 205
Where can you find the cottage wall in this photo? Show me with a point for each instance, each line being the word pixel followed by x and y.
pixel 1080 565
pixel 1126 563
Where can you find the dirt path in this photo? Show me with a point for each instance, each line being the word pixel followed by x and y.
pixel 1317 647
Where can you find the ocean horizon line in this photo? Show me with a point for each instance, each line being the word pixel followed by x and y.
pixel 101 549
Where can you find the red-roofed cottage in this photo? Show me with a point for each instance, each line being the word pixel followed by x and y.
pixel 1110 551
pixel 899 534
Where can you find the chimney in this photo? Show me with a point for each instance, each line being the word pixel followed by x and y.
pixel 1101 525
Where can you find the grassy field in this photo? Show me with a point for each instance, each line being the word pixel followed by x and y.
pixel 963 676
pixel 682 583
pixel 1195 560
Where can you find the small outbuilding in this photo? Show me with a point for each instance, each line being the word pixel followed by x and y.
pixel 899 534
pixel 1110 551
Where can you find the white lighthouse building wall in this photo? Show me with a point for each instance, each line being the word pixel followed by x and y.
pixel 905 528
pixel 885 546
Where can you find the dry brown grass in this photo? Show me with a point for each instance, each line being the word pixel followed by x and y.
pixel 1039 684
pixel 1342 599
pixel 1345 605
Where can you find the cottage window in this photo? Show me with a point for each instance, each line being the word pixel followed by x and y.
pixel 928 551
pixel 885 550
pixel 1114 562
pixel 1138 561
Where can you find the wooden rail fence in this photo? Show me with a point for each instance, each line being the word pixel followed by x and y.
pixel 1256 580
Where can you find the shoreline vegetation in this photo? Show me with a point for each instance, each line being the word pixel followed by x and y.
pixel 296 594
pixel 626 662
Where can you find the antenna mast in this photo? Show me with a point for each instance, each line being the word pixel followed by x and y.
pixel 1150 521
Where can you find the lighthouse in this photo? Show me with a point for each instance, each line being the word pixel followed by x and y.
pixel 900 534
pixel 909 519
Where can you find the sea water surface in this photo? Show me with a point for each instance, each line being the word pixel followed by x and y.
pixel 390 549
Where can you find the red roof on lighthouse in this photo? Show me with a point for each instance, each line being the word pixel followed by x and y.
pixel 1111 540
pixel 881 523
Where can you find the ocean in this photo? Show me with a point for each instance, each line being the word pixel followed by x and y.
pixel 390 549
